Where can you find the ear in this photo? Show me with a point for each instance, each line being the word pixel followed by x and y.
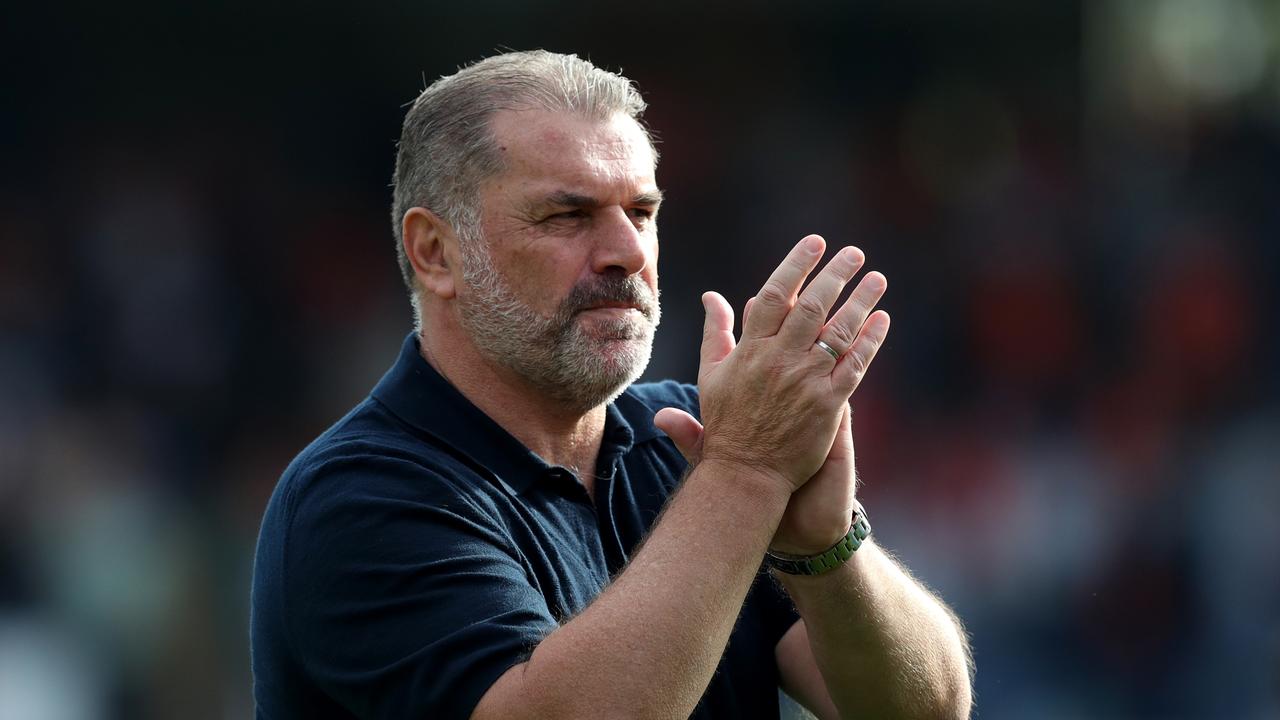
pixel 432 249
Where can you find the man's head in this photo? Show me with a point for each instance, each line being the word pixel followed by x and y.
pixel 533 171
pixel 447 146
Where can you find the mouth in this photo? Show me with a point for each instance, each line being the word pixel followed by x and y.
pixel 614 309
pixel 615 306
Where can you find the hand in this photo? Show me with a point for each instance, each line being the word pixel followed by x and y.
pixel 777 395
pixel 819 513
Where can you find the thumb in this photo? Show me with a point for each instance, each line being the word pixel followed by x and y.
pixel 717 329
pixel 684 430
pixel 842 448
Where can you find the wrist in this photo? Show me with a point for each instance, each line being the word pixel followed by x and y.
pixel 852 568
pixel 768 487
pixel 818 542
pixel 815 526
pixel 828 558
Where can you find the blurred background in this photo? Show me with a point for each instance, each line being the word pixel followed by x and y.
pixel 1073 433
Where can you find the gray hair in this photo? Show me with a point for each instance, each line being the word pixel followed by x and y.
pixel 447 146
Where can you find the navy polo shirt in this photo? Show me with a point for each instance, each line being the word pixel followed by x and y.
pixel 416 551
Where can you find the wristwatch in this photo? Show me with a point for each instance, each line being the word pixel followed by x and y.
pixel 829 559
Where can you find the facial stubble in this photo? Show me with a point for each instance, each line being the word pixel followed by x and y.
pixel 571 359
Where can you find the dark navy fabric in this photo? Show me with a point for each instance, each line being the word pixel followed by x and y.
pixel 416 551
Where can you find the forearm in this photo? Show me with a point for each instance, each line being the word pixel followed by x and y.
pixel 650 643
pixel 885 646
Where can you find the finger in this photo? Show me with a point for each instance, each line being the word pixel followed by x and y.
pixel 810 312
pixel 775 298
pixel 717 329
pixel 842 448
pixel 844 439
pixel 841 331
pixel 683 429
pixel 853 366
pixel 746 310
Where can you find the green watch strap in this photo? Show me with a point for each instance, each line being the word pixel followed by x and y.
pixel 829 559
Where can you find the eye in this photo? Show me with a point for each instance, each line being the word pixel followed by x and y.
pixel 569 215
pixel 641 213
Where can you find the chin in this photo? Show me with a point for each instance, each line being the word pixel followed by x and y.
pixel 598 376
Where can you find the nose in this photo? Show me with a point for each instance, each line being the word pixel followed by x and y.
pixel 620 245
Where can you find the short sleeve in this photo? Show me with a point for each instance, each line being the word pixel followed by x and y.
pixel 404 599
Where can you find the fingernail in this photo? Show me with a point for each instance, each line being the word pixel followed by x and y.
pixel 813 245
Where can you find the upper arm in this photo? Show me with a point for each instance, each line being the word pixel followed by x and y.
pixel 506 693
pixel 799 673
pixel 400 605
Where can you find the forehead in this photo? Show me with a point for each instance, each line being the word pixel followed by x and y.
pixel 545 150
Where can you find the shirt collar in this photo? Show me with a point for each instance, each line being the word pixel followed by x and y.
pixel 421 397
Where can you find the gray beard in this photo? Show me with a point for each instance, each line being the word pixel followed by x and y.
pixel 558 356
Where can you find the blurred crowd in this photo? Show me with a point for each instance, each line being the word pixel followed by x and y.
pixel 1073 433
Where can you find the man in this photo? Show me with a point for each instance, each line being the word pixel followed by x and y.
pixel 467 542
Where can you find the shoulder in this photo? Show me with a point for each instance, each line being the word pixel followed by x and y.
pixel 367 441
pixel 367 494
pixel 666 393
pixel 381 554
pixel 370 459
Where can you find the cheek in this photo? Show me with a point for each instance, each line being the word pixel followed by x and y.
pixel 545 279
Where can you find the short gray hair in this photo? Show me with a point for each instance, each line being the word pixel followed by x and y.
pixel 447 146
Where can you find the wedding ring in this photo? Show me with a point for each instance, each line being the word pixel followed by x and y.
pixel 830 350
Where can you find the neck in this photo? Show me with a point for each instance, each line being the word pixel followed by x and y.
pixel 564 436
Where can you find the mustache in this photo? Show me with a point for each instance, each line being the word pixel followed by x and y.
pixel 628 290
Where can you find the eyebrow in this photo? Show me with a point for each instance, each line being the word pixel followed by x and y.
pixel 571 199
